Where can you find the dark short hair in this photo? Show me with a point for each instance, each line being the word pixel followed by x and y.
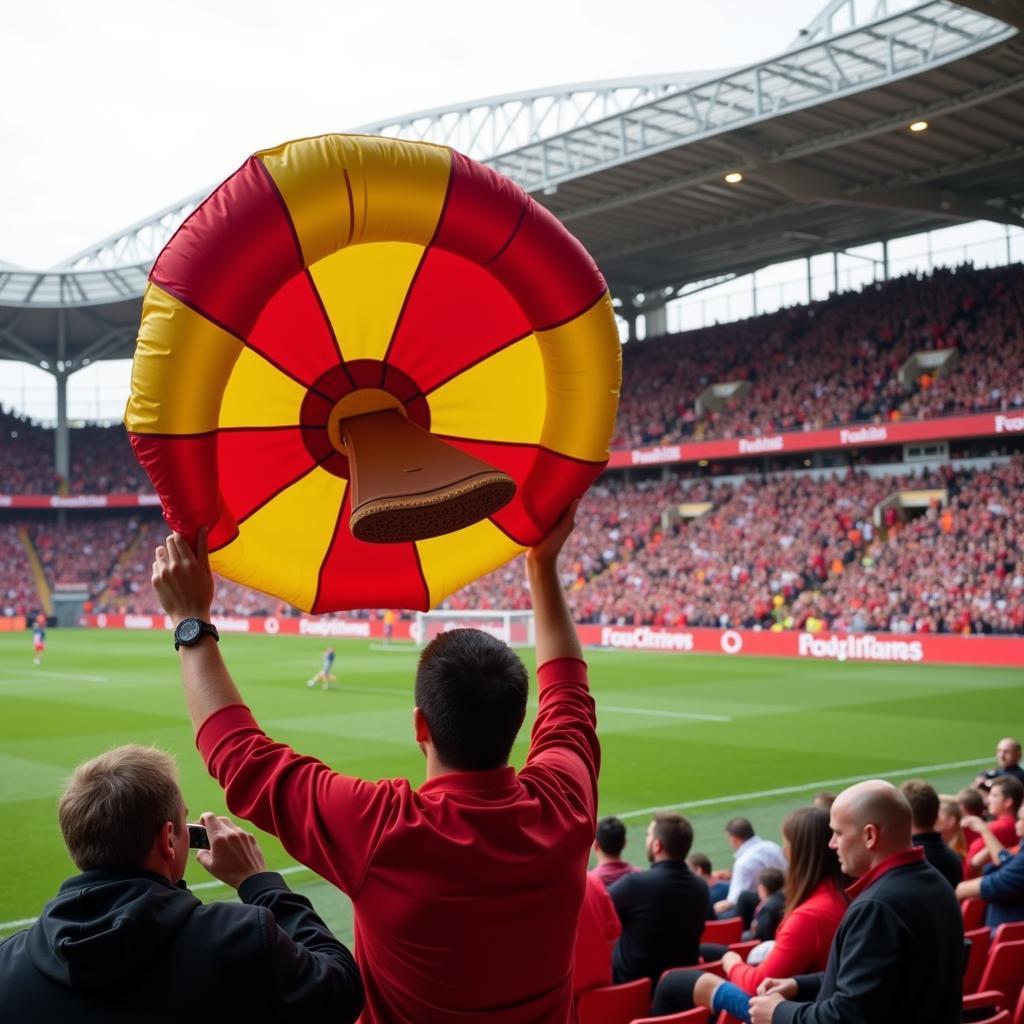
pixel 471 688
pixel 924 803
pixel 114 806
pixel 700 860
pixel 1011 789
pixel 739 828
pixel 674 833
pixel 772 879
pixel 610 836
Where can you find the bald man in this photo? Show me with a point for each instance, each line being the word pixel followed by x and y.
pixel 897 957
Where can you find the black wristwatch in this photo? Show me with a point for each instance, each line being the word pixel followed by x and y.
pixel 190 631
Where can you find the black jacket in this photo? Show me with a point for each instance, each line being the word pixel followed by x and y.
pixel 941 857
pixel 663 911
pixel 897 957
pixel 127 945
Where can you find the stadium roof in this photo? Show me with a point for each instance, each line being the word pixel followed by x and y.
pixel 636 168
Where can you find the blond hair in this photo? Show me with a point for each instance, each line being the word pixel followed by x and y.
pixel 114 805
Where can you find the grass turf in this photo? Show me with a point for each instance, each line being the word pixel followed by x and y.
pixel 773 732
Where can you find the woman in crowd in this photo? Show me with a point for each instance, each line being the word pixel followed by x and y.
pixel 815 904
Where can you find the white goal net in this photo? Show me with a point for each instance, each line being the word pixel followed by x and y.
pixel 514 628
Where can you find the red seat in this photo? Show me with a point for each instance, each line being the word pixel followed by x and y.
pixel 980 939
pixel 974 913
pixel 1004 971
pixel 697 1016
pixel 1002 1017
pixel 1018 1016
pixel 724 932
pixel 615 1004
pixel 1012 932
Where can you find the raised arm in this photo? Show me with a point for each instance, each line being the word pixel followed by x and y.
pixel 184 585
pixel 989 854
pixel 555 629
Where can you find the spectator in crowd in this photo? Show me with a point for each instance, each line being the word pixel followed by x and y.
pixel 751 855
pixel 717 881
pixel 824 800
pixel 1005 797
pixel 898 953
pixel 663 909
pixel 924 809
pixel 1007 763
pixel 1001 884
pixel 609 842
pixel 815 903
pixel 949 827
pixel 478 850
pixel 972 804
pixel 770 907
pixel 598 931
pixel 126 941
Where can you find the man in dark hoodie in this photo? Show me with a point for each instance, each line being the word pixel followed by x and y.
pixel 126 941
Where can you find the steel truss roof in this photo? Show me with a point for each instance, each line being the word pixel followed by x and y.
pixel 635 168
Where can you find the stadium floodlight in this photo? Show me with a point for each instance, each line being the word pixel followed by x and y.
pixel 919 126
pixel 734 177
pixel 513 627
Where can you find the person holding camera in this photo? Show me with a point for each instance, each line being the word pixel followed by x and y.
pixel 126 941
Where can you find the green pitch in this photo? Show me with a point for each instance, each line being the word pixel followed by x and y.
pixel 712 736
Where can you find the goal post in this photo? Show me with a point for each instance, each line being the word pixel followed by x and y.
pixel 513 627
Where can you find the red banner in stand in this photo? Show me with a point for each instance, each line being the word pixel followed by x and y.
pixel 853 436
pixel 879 648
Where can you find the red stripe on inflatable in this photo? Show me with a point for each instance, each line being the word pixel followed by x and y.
pixel 281 455
pixel 355 574
pixel 481 213
pixel 456 315
pixel 294 333
pixel 546 483
pixel 552 276
pixel 184 475
pixel 233 253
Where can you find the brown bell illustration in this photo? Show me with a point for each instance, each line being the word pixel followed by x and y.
pixel 408 485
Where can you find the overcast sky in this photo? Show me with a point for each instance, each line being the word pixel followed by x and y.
pixel 114 109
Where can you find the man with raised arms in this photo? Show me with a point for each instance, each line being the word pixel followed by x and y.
pixel 467 889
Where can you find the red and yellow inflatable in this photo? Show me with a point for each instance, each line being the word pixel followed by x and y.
pixel 367 273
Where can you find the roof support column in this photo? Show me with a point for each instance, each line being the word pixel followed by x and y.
pixel 62 454
pixel 885 259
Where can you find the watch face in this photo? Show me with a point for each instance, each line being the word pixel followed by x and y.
pixel 188 630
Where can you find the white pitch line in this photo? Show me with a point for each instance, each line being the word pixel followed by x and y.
pixel 26 922
pixel 663 714
pixel 787 790
pixel 64 675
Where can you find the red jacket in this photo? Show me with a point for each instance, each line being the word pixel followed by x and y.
pixel 466 891
pixel 802 941
pixel 599 928
pixel 1004 828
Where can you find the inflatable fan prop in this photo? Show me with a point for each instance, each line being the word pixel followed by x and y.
pixel 374 369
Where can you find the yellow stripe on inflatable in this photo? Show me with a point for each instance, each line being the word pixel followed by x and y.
pixel 271 554
pixel 394 190
pixel 363 290
pixel 181 363
pixel 582 370
pixel 260 395
pixel 452 560
pixel 499 399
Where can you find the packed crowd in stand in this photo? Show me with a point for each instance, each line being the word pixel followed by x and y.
pixel 831 362
pixel 782 552
pixel 792 551
pixel 17 586
pixel 835 361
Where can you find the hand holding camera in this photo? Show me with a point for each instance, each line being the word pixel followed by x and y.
pixel 233 855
